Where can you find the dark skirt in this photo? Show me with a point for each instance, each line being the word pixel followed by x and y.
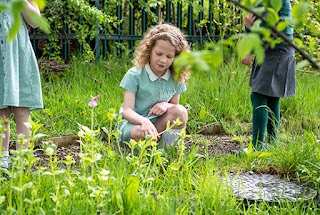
pixel 276 76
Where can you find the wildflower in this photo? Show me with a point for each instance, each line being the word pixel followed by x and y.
pixel 94 102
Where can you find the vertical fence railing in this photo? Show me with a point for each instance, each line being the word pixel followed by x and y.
pixel 97 39
pixel 144 19
pixel 131 25
pixel 181 13
pixel 210 16
pixel 190 19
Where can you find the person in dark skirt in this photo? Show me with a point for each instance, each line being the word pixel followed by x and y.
pixel 273 79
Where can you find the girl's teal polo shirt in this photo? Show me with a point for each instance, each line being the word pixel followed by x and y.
pixel 150 89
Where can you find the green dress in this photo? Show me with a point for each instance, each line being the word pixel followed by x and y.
pixel 149 90
pixel 20 84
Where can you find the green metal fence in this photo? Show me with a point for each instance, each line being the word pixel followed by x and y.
pixel 200 20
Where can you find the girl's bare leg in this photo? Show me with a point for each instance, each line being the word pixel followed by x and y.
pixel 177 111
pixel 4 161
pixel 5 113
pixel 21 116
pixel 169 137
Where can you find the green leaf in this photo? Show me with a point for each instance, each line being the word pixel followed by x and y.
pixel 214 58
pixel 203 112
pixel 260 53
pixel 266 34
pixel 272 17
pixel 282 25
pixel 299 10
pixel 41 22
pixel 247 44
pixel 119 202
pixel 250 148
pixel 244 48
pixel 2 199
pixel 3 7
pixel 298 42
pixel 276 4
pixel 33 126
pixel 27 185
pixel 17 6
pixel 302 64
pixel 198 60
pixel 312 44
pixel 15 188
pixel 132 189
pixel 38 136
pixel 251 3
pixel 264 155
pixel 175 166
pixel 180 62
pixel 255 154
pixel 41 4
pixel 14 28
pixel 59 172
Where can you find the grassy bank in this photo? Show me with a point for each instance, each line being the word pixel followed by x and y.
pixel 222 97
pixel 103 180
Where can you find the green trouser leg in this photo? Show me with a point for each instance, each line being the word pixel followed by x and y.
pixel 265 116
pixel 274 119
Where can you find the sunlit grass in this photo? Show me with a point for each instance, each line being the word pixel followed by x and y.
pixel 148 180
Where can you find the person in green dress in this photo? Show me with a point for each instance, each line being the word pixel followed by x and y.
pixel 20 86
pixel 151 97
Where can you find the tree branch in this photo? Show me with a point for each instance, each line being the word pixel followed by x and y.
pixel 278 34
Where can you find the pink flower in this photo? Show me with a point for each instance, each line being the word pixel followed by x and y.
pixel 94 101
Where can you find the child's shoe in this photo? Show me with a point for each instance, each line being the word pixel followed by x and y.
pixel 4 162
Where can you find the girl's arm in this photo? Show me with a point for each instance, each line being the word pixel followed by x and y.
pixel 175 99
pixel 31 6
pixel 162 107
pixel 128 109
pixel 133 117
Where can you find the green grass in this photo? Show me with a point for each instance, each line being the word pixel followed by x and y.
pixel 151 181
pixel 66 96
pixel 222 96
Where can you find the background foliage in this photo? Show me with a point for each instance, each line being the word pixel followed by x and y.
pixel 85 20
pixel 102 180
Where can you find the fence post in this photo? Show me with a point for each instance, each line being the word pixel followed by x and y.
pixel 131 23
pixel 144 18
pixel 168 10
pixel 190 18
pixel 200 19
pixel 104 41
pixel 201 12
pixel 210 17
pixel 179 15
pixel 65 43
pixel 97 39
pixel 119 15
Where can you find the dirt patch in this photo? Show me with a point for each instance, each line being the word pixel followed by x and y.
pixel 215 144
pixel 69 145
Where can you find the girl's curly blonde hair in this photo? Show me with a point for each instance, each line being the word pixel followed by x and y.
pixel 165 32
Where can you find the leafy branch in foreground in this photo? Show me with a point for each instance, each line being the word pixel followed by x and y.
pixel 303 7
pixel 15 7
pixel 212 57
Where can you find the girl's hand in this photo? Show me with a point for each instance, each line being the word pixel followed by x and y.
pixel 31 6
pixel 148 128
pixel 247 60
pixel 159 109
pixel 249 20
